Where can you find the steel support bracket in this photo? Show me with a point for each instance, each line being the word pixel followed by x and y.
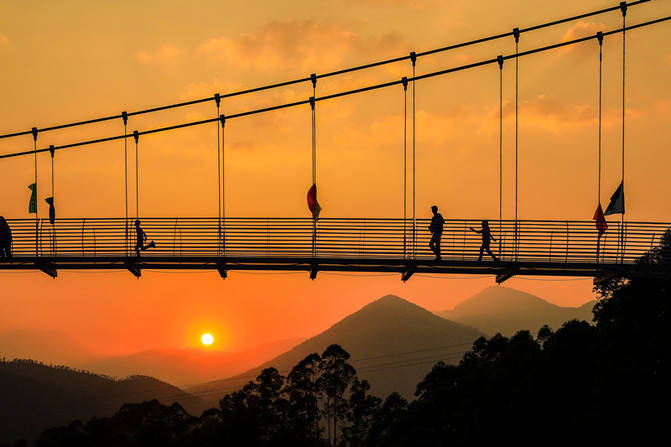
pixel 134 268
pixel 314 268
pixel 410 269
pixel 505 275
pixel 605 277
pixel 48 268
pixel 221 268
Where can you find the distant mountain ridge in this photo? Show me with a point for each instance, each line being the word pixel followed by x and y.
pixel 393 344
pixel 505 310
pixel 43 345
pixel 35 396
pixel 188 366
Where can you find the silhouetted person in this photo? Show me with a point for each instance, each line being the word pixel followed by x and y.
pixel 486 238
pixel 5 239
pixel 141 239
pixel 436 229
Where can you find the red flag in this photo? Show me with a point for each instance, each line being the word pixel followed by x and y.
pixel 601 224
pixel 315 209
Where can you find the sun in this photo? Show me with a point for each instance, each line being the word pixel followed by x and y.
pixel 207 339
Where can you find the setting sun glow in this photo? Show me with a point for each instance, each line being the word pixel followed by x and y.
pixel 207 339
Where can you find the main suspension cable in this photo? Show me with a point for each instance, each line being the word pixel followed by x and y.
pixel 351 92
pixel 329 74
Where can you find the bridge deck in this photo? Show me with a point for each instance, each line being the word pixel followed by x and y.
pixel 566 248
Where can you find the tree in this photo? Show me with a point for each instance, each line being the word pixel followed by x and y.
pixel 387 421
pixel 336 377
pixel 303 395
pixel 257 413
pixel 362 408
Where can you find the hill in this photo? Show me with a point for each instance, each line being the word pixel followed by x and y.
pixel 505 310
pixel 188 366
pixel 393 344
pixel 44 346
pixel 36 396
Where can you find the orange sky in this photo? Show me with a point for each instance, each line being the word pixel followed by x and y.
pixel 68 61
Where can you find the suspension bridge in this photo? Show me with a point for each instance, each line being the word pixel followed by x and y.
pixel 599 248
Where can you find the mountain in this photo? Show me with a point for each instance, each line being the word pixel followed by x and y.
pixel 505 310
pixel 36 397
pixel 393 344
pixel 44 346
pixel 188 366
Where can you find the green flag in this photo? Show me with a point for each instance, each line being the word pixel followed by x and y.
pixel 32 205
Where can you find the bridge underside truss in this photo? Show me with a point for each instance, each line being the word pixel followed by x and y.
pixel 404 267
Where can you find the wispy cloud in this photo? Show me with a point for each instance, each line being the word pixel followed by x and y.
pixel 4 40
pixel 297 45
pixel 583 29
pixel 414 4
pixel 167 53
pixel 553 115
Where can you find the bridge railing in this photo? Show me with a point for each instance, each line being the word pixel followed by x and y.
pixel 527 240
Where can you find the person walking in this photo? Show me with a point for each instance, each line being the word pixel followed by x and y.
pixel 486 239
pixel 436 229
pixel 141 239
pixel 5 239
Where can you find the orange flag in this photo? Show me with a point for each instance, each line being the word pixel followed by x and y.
pixel 601 224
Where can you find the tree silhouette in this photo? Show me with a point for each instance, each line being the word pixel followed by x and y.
pixel 303 395
pixel 336 377
pixel 257 413
pixel 362 408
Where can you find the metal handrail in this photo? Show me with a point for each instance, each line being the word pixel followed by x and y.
pixel 554 242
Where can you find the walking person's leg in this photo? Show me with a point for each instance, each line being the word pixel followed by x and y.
pixel 482 247
pixel 437 245
pixel 489 250
pixel 432 243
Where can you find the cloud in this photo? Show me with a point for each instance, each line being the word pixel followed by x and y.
pixel 414 4
pixel 552 115
pixel 583 29
pixel 298 46
pixel 4 40
pixel 209 88
pixel 166 53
